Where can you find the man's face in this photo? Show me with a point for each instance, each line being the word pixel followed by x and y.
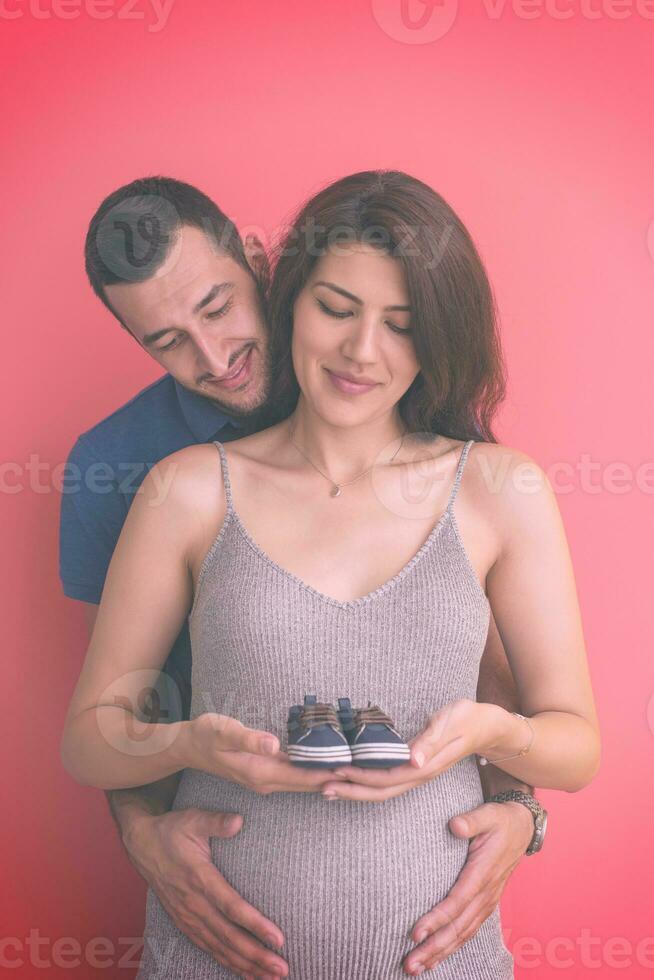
pixel 200 317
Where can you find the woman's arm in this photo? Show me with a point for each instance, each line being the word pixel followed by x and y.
pixel 496 684
pixel 110 740
pixel 146 597
pixel 532 592
pixel 152 799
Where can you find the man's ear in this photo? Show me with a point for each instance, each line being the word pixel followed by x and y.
pixel 257 260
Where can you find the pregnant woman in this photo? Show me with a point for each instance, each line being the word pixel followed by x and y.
pixel 353 549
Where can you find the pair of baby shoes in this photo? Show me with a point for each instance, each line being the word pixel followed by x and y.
pixel 322 737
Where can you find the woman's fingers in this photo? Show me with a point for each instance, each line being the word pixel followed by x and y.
pixel 282 775
pixel 352 791
pixel 393 776
pixel 233 735
pixel 406 775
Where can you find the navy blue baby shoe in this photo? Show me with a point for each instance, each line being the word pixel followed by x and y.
pixel 315 736
pixel 374 741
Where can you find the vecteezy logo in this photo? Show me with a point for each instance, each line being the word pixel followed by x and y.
pixel 146 698
pixel 415 21
pixel 136 234
pixel 650 238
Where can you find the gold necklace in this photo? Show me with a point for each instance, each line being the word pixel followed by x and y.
pixel 335 490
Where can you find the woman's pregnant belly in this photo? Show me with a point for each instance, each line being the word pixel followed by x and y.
pixel 346 880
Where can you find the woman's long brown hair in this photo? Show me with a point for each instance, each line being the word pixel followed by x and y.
pixel 462 377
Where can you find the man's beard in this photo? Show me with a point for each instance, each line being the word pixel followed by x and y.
pixel 247 413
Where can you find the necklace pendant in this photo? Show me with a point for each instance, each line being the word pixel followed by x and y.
pixel 335 491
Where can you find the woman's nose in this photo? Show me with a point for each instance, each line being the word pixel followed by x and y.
pixel 361 342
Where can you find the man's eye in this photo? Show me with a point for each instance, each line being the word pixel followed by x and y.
pixel 169 346
pixel 336 313
pixel 225 308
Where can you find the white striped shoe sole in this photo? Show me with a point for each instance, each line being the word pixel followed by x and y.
pixel 381 750
pixel 342 753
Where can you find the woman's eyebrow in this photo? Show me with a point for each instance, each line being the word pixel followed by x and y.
pixel 355 299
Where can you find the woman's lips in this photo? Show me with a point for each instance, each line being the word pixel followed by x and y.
pixel 349 387
pixel 243 373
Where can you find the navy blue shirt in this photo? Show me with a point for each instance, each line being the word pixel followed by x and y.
pixel 105 468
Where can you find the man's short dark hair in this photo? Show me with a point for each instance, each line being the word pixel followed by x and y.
pixel 135 228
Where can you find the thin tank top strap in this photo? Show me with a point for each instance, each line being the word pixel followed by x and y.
pixel 459 473
pixel 225 471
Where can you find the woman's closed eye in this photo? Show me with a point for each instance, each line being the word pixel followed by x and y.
pixel 339 314
pixel 342 314
pixel 394 327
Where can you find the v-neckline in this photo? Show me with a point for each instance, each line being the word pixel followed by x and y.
pixel 312 590
pixel 331 600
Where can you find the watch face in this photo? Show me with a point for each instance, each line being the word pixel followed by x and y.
pixel 541 826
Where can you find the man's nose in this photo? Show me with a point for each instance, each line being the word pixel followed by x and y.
pixel 210 358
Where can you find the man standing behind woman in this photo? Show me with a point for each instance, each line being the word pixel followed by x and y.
pixel 383 356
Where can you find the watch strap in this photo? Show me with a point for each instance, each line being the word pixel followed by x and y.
pixel 533 805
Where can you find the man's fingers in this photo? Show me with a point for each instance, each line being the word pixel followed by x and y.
pixel 472 882
pixel 456 918
pixel 223 897
pixel 246 946
pixel 441 916
pixel 212 823
pixel 446 927
pixel 474 822
pixel 230 940
pixel 201 935
pixel 447 940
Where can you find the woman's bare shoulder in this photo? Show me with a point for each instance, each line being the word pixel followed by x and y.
pixel 188 481
pixel 500 459
pixel 510 485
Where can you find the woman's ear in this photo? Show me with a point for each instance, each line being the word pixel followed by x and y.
pixel 257 260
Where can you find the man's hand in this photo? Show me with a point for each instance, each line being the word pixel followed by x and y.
pixel 500 834
pixel 172 852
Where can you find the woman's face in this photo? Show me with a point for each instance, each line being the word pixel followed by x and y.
pixel 352 346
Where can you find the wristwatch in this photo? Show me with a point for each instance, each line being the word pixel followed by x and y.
pixel 538 812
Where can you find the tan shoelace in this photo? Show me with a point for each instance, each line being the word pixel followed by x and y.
pixel 318 714
pixel 373 715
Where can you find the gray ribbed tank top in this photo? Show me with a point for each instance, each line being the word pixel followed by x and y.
pixel 346 880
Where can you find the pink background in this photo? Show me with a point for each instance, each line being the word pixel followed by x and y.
pixel 538 132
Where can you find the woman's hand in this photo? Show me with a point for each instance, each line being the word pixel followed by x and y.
pixel 223 746
pixel 459 729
